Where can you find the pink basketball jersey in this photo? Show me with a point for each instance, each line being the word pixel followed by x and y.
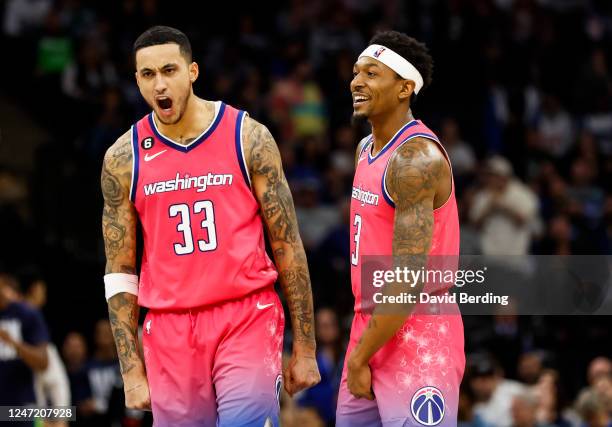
pixel 373 210
pixel 203 236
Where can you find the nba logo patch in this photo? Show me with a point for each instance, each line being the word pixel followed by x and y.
pixel 379 52
pixel 427 406
pixel 277 386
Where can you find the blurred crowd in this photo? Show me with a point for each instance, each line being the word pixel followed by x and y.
pixel 521 99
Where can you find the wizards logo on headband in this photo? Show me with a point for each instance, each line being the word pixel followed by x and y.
pixel 379 51
pixel 427 406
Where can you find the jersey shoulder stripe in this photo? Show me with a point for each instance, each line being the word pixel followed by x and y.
pixel 135 162
pixel 239 148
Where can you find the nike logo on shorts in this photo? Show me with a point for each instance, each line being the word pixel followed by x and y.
pixel 148 158
pixel 263 306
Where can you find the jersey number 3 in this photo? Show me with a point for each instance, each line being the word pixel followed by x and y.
pixel 208 224
pixel 357 225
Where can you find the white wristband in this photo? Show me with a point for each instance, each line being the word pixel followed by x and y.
pixel 115 283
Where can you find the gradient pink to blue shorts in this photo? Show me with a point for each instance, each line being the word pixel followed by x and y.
pixel 415 376
pixel 216 366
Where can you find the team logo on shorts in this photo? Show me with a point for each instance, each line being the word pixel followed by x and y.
pixel 147 143
pixel 277 386
pixel 427 406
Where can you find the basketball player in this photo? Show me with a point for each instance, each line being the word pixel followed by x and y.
pixel 200 176
pixel 402 369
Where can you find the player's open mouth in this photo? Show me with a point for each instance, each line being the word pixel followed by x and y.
pixel 359 99
pixel 164 103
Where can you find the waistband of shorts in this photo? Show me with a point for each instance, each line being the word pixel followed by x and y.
pixel 265 289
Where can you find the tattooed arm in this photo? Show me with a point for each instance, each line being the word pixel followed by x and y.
pixel 272 192
pixel 414 175
pixel 119 231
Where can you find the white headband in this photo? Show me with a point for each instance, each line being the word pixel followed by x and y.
pixel 396 62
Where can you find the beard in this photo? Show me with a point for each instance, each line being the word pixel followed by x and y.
pixel 359 120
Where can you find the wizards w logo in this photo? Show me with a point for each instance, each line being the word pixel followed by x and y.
pixel 278 387
pixel 428 406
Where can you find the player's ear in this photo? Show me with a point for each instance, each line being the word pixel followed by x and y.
pixel 194 71
pixel 407 87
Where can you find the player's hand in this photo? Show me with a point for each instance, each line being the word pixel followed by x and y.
pixel 301 372
pixel 6 338
pixel 137 395
pixel 359 379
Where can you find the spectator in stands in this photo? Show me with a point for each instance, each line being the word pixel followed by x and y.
pixel 86 78
pixel 603 387
pixel 504 210
pixel 599 367
pixel 494 394
pixel 551 400
pixel 330 262
pixel 314 218
pixel 74 351
pixel 51 385
pixel 104 378
pixel 558 238
pixel 593 410
pixel 466 416
pixel 555 130
pixel 24 16
pixel 23 347
pixel 461 153
pixel 530 367
pixel 296 104
pixel 524 410
pixel 583 191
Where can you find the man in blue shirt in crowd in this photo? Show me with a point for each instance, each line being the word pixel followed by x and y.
pixel 23 341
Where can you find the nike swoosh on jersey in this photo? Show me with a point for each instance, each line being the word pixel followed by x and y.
pixel 264 306
pixel 148 158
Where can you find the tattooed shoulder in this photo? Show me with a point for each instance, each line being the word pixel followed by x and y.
pixel 260 150
pixel 117 168
pixel 118 157
pixel 414 171
pixel 118 215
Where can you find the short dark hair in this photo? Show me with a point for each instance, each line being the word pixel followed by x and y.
pixel 410 49
pixel 27 276
pixel 161 34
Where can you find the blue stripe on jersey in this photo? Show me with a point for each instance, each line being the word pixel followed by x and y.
pixel 385 193
pixel 390 143
pixel 135 160
pixel 186 148
pixel 238 140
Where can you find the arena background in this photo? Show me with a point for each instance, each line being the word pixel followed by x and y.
pixel 525 80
